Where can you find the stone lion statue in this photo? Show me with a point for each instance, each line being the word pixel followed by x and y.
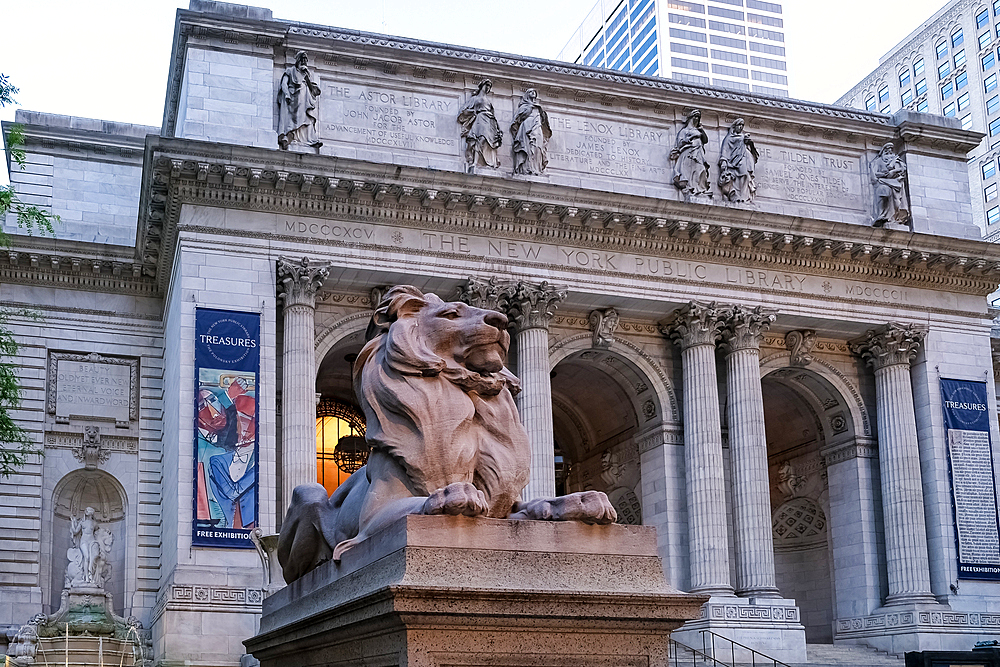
pixel 444 431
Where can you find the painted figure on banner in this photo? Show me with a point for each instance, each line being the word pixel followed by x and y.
pixel 227 456
pixel 480 128
pixel 87 556
pixel 889 179
pixel 298 105
pixel 691 169
pixel 530 133
pixel 737 160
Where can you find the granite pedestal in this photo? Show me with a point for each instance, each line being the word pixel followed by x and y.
pixel 436 590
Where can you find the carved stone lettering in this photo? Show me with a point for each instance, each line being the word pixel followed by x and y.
pixel 92 389
pixel 808 177
pixel 391 119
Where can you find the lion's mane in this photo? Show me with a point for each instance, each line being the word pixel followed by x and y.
pixel 442 422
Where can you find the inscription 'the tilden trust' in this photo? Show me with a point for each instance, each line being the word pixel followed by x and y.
pixel 594 260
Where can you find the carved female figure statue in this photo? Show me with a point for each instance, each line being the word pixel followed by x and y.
pixel 480 128
pixel 889 179
pixel 298 109
pixel 737 160
pixel 530 132
pixel 87 555
pixel 690 167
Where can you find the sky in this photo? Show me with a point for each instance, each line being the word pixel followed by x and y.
pixel 109 60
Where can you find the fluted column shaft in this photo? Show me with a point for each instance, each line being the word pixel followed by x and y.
pixel 529 308
pixel 889 350
pixel 535 405
pixel 695 328
pixel 298 283
pixel 748 454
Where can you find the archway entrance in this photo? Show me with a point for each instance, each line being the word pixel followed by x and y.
pixel 600 402
pixel 340 425
pixel 800 410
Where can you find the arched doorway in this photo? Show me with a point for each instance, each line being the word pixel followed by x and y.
pixel 340 424
pixel 601 401
pixel 803 412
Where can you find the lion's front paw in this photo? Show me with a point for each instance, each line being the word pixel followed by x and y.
pixel 585 506
pixel 458 498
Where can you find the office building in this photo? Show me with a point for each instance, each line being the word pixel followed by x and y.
pixel 735 44
pixel 948 66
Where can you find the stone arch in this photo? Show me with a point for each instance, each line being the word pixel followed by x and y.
pixel 860 422
pixel 73 493
pixel 666 397
pixel 349 325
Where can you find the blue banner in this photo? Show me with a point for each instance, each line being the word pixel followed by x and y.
pixel 227 369
pixel 970 465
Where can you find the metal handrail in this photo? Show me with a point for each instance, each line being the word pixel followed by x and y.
pixel 695 654
pixel 765 659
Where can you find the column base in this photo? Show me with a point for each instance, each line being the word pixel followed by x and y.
pixel 770 626
pixel 922 627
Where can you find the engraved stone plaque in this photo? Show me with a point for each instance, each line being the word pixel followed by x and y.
pixel 808 177
pixel 380 117
pixel 92 387
pixel 610 148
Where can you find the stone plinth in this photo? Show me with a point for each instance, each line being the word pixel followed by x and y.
pixel 433 590
pixel 771 626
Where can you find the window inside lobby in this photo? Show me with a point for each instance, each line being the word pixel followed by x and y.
pixel 340 442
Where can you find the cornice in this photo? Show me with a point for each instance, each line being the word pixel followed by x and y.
pixel 183 171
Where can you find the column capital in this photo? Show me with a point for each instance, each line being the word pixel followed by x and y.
pixel 298 281
pixel 744 327
pixel 526 305
pixel 695 323
pixel 531 306
pixel 890 344
pixel 489 294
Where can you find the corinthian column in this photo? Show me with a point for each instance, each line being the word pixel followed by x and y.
pixel 298 283
pixel 530 309
pixel 889 350
pixel 695 327
pixel 748 453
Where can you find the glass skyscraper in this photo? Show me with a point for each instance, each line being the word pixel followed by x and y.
pixel 735 44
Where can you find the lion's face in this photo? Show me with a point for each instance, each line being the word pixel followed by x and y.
pixel 473 337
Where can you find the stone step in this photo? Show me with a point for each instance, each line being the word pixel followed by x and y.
pixel 844 655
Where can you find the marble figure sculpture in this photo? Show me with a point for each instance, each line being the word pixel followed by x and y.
pixel 530 133
pixel 445 434
pixel 889 179
pixel 480 128
pixel 87 556
pixel 298 105
pixel 690 166
pixel 737 160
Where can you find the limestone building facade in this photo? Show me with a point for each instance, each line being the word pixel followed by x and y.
pixel 948 66
pixel 707 326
